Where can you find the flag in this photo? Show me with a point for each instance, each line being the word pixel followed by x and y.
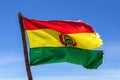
pixel 56 41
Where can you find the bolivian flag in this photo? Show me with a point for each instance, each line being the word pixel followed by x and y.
pixel 63 41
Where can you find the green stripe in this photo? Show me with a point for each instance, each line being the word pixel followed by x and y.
pixel 44 55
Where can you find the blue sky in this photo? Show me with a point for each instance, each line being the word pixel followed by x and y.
pixel 103 15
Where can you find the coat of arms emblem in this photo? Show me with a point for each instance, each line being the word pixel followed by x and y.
pixel 67 40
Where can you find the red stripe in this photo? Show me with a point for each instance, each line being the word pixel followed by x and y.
pixel 58 25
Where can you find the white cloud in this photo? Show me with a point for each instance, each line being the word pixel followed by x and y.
pixel 91 75
pixel 105 75
pixel 112 47
pixel 111 52
pixel 12 79
pixel 10 57
pixel 101 75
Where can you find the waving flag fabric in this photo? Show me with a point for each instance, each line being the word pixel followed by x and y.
pixel 63 41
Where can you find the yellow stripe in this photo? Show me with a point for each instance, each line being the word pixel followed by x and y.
pixel 50 38
pixel 87 40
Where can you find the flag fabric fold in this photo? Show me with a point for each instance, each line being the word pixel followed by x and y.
pixel 63 41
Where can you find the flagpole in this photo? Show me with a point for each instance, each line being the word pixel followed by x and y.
pixel 29 74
